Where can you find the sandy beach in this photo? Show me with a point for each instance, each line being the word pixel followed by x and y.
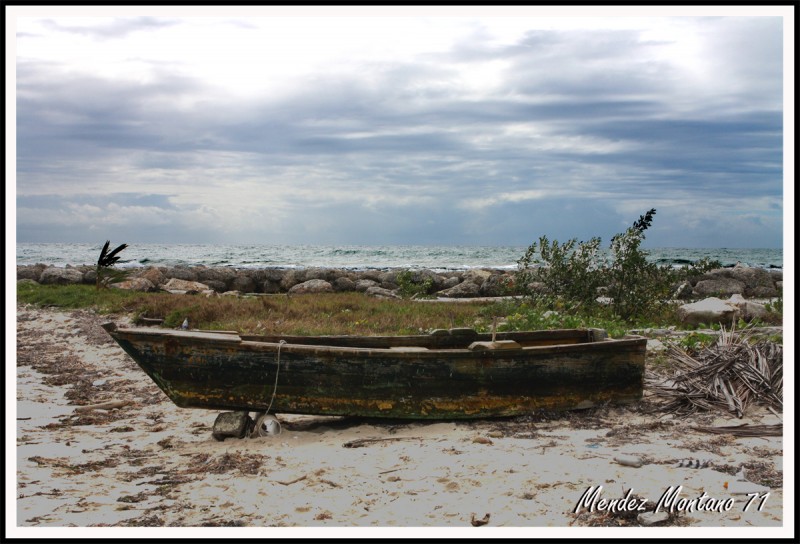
pixel 148 463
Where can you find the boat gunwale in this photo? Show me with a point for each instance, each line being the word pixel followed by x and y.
pixel 229 338
pixel 399 353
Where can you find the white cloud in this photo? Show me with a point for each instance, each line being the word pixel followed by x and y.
pixel 480 203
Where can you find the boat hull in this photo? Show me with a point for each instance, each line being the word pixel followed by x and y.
pixel 427 380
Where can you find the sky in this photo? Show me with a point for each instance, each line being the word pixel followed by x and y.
pixel 411 126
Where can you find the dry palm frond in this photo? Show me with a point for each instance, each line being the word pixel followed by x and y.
pixel 105 274
pixel 109 259
pixel 745 430
pixel 730 375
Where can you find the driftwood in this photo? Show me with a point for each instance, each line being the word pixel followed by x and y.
pixel 108 405
pixel 362 442
pixel 728 376
pixel 290 482
pixel 305 477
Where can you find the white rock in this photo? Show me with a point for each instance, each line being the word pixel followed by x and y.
pixel 135 284
pixel 629 460
pixel 709 311
pixel 185 285
pixel 748 310
pixel 311 286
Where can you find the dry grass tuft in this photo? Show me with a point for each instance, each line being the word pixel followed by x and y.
pixel 335 313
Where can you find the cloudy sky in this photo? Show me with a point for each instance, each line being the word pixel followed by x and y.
pixel 387 126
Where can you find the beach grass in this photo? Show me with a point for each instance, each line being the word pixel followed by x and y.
pixel 328 313
pixel 75 297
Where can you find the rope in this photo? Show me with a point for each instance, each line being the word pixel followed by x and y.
pixel 260 419
pixel 277 371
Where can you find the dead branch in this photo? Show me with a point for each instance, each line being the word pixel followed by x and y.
pixel 290 482
pixel 362 442
pixel 109 405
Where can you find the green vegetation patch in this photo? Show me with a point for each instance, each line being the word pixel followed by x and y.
pixel 76 297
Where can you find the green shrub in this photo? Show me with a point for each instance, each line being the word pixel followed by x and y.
pixel 696 341
pixel 638 287
pixel 571 274
pixel 410 285
pixel 565 273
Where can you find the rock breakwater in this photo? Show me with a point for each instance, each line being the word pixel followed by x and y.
pixel 391 282
pixel 745 281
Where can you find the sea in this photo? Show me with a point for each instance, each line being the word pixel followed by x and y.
pixel 437 258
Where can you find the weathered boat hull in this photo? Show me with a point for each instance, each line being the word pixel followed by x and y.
pixel 422 377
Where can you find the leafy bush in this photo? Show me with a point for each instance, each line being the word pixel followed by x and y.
pixel 571 275
pixel 564 275
pixel 696 341
pixel 637 287
pixel 411 285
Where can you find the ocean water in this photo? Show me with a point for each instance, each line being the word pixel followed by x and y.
pixel 354 257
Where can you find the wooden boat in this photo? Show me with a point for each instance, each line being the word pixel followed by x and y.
pixel 447 374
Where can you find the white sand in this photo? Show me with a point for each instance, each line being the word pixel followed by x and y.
pixel 152 464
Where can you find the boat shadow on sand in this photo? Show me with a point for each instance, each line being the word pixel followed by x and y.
pixel 593 417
